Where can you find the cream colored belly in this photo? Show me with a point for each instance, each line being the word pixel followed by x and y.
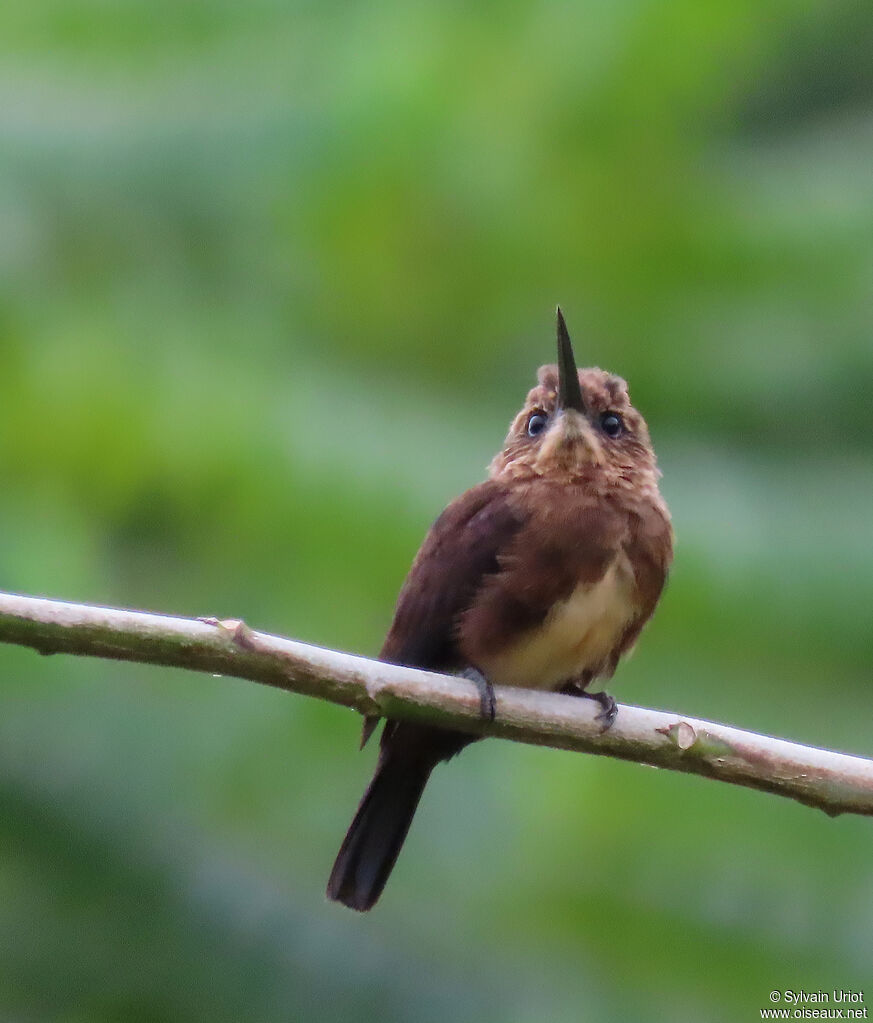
pixel 578 635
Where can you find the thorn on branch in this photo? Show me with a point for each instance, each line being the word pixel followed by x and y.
pixel 369 726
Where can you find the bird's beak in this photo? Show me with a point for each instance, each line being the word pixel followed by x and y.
pixel 569 392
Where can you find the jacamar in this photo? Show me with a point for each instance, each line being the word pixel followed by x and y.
pixel 542 576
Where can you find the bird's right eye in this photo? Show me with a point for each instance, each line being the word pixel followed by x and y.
pixel 536 423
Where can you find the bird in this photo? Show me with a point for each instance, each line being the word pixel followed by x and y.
pixel 542 577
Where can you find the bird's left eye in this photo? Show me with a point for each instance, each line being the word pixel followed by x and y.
pixel 536 424
pixel 612 425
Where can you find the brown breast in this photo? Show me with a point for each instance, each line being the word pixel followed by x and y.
pixel 573 589
pixel 577 636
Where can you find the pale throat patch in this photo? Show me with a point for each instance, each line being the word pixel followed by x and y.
pixel 578 635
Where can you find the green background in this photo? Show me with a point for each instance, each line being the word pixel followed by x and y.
pixel 274 278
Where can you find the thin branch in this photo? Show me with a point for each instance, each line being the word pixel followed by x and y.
pixel 833 782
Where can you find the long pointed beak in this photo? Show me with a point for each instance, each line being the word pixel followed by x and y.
pixel 569 392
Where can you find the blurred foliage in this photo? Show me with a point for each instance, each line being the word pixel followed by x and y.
pixel 273 280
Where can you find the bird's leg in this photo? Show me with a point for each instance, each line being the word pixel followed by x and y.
pixel 487 699
pixel 608 706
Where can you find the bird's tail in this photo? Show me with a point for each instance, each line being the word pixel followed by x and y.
pixel 372 843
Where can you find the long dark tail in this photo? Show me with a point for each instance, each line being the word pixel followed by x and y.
pixel 369 851
pixel 372 843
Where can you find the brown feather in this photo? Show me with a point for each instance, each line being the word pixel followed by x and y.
pixel 460 551
pixel 568 538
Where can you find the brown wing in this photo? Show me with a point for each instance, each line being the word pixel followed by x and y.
pixel 650 548
pixel 458 553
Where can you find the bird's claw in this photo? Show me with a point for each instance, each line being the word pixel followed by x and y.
pixel 487 699
pixel 608 709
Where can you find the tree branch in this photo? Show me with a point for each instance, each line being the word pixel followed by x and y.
pixel 833 782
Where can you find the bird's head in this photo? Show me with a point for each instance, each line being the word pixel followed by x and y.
pixel 577 426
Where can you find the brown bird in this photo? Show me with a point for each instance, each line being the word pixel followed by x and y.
pixel 542 576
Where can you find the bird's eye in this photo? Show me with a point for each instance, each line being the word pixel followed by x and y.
pixel 612 425
pixel 536 424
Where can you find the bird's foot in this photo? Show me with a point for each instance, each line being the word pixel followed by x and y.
pixel 608 706
pixel 487 699
pixel 608 709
